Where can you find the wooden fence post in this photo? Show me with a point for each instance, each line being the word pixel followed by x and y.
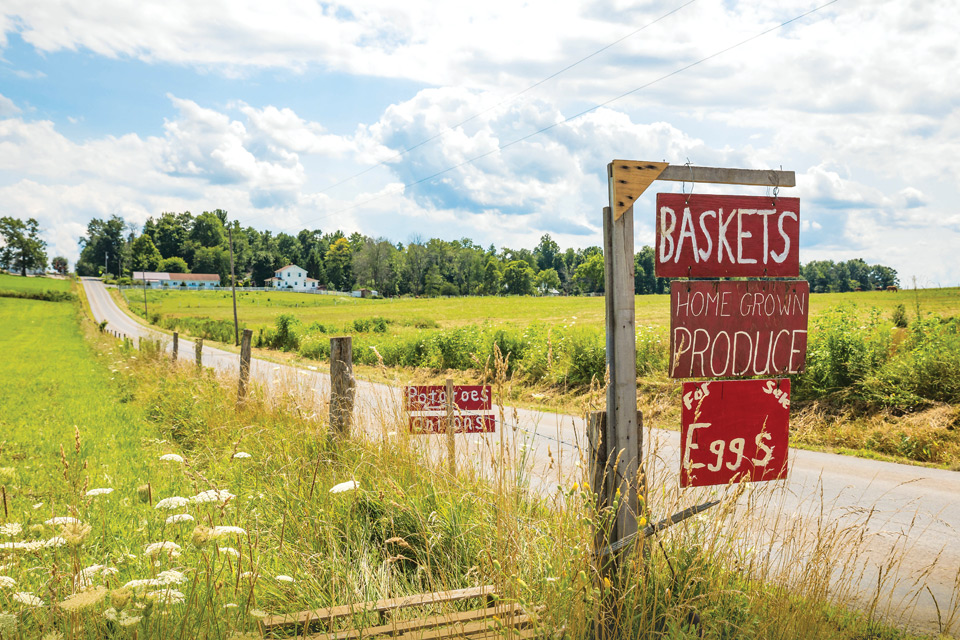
pixel 244 365
pixel 198 352
pixel 341 385
pixel 176 345
pixel 451 443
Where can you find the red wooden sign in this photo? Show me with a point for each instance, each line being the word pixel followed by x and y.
pixel 471 423
pixel 727 236
pixel 434 398
pixel 733 430
pixel 738 328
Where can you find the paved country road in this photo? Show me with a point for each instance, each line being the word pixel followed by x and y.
pixel 901 522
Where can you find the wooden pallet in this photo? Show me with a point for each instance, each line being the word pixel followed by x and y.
pixel 489 622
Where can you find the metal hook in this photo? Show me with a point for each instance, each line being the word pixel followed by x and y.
pixel 776 188
pixel 684 183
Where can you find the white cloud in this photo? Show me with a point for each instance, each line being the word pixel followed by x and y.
pixel 7 108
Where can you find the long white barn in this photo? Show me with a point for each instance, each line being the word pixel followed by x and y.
pixel 163 280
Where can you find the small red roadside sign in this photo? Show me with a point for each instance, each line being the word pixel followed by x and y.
pixel 737 328
pixel 427 408
pixel 471 423
pixel 727 236
pixel 467 397
pixel 732 430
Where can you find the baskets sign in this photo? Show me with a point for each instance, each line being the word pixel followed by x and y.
pixel 727 236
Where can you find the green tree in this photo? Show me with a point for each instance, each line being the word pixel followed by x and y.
pixel 59 264
pixel 176 264
pixel 145 255
pixel 213 260
pixel 547 253
pixel 208 231
pixel 518 278
pixel 590 273
pixel 22 247
pixel 261 268
pixel 433 282
pixel 492 278
pixel 338 264
pixel 104 245
pixel 548 279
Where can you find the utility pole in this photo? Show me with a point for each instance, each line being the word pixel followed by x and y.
pixel 145 314
pixel 233 286
pixel 106 263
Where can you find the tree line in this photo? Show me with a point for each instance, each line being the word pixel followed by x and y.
pixel 187 243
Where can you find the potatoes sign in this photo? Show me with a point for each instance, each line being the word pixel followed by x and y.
pixel 727 236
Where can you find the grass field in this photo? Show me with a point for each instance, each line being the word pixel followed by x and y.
pixel 86 421
pixel 17 283
pixel 259 309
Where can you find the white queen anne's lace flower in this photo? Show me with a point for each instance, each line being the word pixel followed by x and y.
pixel 27 599
pixel 6 582
pixel 157 548
pixel 229 551
pixel 349 485
pixel 99 492
pixel 173 502
pixel 179 517
pixel 171 457
pixel 239 455
pixel 11 529
pixel 166 596
pixel 224 530
pixel 213 495
pixel 61 520
pixel 283 578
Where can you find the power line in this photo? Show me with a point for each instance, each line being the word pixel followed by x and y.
pixel 508 100
pixel 580 114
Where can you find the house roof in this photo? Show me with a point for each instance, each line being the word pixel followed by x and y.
pixel 288 266
pixel 311 280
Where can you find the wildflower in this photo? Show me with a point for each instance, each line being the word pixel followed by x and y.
pixel 61 520
pixel 74 533
pixel 231 605
pixel 8 624
pixel 99 492
pixel 201 535
pixel 283 578
pixel 349 485
pixel 120 598
pixel 229 551
pixel 156 548
pixel 128 619
pixel 166 596
pixel 257 613
pixel 173 502
pixel 59 541
pixel 6 582
pixel 84 599
pixel 53 635
pixel 171 576
pixel 240 455
pixel 171 457
pixel 27 599
pixel 213 495
pixel 180 517
pixel 11 529
pixel 246 574
pixel 220 531
pixel 38 505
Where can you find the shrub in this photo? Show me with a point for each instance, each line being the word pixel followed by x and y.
pixel 899 316
pixel 287 335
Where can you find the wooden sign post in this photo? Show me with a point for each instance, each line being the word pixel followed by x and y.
pixel 627 180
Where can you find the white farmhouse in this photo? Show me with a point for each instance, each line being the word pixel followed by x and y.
pixel 188 281
pixel 292 277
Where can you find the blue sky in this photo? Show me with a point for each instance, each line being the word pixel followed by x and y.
pixel 135 109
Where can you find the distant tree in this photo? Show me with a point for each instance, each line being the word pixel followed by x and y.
pixel 176 264
pixel 103 246
pixel 338 264
pixel 590 273
pixel 59 264
pixel 546 280
pixel 261 268
pixel 492 278
pixel 518 278
pixel 208 231
pixel 145 255
pixel 433 282
pixel 170 233
pixel 213 260
pixel 22 247
pixel 372 264
pixel 416 264
pixel 547 253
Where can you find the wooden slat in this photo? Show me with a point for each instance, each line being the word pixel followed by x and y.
pixel 629 179
pixel 718 175
pixel 507 634
pixel 376 606
pixel 405 626
pixel 466 629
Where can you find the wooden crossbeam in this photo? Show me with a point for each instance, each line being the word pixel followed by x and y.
pixel 630 178
pixel 505 612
